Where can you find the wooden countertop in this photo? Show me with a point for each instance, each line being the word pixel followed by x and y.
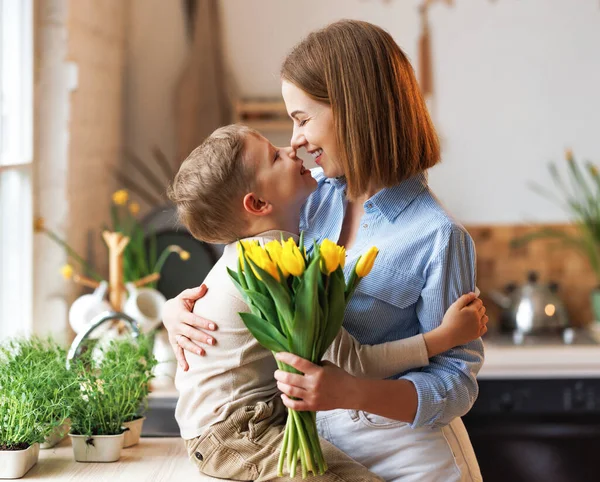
pixel 153 459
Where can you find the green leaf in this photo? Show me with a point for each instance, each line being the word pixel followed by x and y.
pixel 307 325
pixel 336 303
pixel 267 335
pixel 234 276
pixel 267 307
pixel 352 283
pixel 244 293
pixel 279 294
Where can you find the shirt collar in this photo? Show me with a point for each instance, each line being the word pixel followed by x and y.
pixel 391 201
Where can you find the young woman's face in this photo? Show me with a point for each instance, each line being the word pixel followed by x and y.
pixel 313 128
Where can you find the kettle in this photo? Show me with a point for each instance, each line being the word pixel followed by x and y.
pixel 532 308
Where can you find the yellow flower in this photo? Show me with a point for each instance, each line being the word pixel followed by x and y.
pixel 260 257
pixel 342 256
pixel 184 255
pixel 247 244
pixel 569 155
pixel 39 225
pixel 292 258
pixel 120 197
pixel 134 208
pixel 275 251
pixel 330 256
pixel 365 263
pixel 67 271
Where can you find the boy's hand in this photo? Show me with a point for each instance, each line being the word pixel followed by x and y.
pixel 464 321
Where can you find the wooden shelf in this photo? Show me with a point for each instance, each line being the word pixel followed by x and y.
pixel 263 115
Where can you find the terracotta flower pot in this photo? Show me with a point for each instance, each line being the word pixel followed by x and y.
pixel 97 448
pixel 133 431
pixel 14 464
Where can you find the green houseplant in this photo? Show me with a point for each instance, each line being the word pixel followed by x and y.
pixel 109 391
pixel 34 387
pixel 579 194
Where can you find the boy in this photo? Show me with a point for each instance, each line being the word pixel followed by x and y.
pixel 237 185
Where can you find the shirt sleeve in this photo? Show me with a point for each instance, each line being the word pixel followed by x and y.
pixel 377 361
pixel 447 388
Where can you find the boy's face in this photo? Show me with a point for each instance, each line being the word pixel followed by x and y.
pixel 280 179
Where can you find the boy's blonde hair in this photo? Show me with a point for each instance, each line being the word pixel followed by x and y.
pixel 211 183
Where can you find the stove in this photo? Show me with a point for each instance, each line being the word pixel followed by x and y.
pixel 537 417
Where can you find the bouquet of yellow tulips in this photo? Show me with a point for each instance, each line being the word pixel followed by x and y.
pixel 297 305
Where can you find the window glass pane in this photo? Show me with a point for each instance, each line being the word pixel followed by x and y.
pixel 16 71
pixel 16 226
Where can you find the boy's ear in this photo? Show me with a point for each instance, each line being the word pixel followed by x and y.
pixel 256 206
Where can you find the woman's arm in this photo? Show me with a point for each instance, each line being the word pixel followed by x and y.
pixel 185 328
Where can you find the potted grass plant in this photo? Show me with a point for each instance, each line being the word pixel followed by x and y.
pixel 139 357
pixel 34 387
pixel 579 194
pixel 109 392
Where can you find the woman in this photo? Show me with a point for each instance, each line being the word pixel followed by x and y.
pixel 357 109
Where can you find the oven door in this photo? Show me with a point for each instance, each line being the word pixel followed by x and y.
pixel 537 430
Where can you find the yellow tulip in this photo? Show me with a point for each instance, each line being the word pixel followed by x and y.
pixel 120 197
pixel 67 271
pixel 365 263
pixel 134 208
pixel 342 256
pixel 330 257
pixel 247 246
pixel 292 258
pixel 260 257
pixel 569 155
pixel 275 251
pixel 39 225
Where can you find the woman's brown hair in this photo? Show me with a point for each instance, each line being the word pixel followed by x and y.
pixel 384 132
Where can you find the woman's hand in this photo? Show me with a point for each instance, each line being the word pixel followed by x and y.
pixel 185 328
pixel 320 388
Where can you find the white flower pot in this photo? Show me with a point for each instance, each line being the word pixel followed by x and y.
pixel 133 431
pixel 57 435
pixel 14 464
pixel 97 448
pixel 164 371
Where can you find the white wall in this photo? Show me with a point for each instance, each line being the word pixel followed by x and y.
pixel 156 52
pixel 517 82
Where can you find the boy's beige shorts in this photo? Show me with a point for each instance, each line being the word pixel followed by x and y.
pixel 246 445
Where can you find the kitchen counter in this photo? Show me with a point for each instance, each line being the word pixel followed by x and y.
pixel 153 459
pixel 541 361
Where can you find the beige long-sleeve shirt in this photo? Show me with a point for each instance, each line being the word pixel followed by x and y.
pixel 238 371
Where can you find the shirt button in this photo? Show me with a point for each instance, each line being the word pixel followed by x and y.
pixel 198 455
pixel 369 205
pixel 365 226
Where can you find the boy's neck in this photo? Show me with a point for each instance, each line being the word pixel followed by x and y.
pixel 289 224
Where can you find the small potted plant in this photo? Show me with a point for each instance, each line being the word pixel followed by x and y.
pixel 109 391
pixel 138 356
pixel 33 401
pixel 579 195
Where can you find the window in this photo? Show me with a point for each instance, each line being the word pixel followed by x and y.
pixel 16 152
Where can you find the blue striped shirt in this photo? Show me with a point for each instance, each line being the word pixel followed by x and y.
pixel 426 261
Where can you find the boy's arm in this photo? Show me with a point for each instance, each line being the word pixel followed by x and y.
pixel 464 321
pixel 377 361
